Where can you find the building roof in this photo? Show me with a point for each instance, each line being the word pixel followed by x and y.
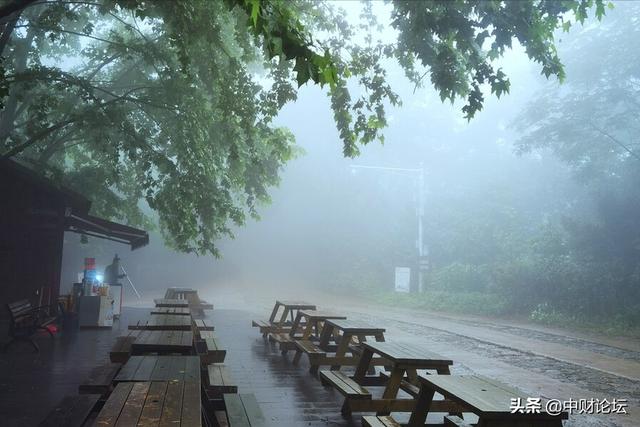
pixel 77 218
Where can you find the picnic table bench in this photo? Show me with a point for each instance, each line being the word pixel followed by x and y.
pixel 174 403
pixel 490 400
pixel 313 320
pixel 171 302
pixel 348 334
pixel 279 322
pixel 243 411
pixel 196 305
pixel 160 368
pixel 25 320
pixel 164 322
pixel 100 379
pixel 219 381
pixel 178 311
pixel 402 359
pixel 207 346
pixel 162 342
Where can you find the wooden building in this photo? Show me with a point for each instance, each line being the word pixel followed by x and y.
pixel 34 215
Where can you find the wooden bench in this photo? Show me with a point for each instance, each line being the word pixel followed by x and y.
pixel 173 403
pixel 285 341
pixel 121 349
pixel 71 411
pixel 243 410
pixel 202 325
pixel 267 327
pixel 219 381
pixel 382 421
pixel 209 349
pixel 314 353
pixel 345 385
pixel 388 421
pixel 455 421
pixel 25 320
pixel 100 379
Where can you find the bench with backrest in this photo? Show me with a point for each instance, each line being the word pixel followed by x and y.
pixel 25 320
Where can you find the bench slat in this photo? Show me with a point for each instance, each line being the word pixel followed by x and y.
pixel 382 421
pixel 219 381
pixel 243 410
pixel 309 347
pixel 99 379
pixel 345 385
pixel 235 411
pixel 455 421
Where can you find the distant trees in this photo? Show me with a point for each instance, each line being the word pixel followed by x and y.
pixel 592 124
pixel 172 102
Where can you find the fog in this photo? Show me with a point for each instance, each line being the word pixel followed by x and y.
pixel 343 230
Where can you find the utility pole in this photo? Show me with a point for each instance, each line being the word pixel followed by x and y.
pixel 420 209
pixel 422 259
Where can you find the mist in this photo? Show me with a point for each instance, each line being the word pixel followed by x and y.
pixel 344 230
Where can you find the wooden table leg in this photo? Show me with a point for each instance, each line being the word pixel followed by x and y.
pixel 295 324
pixel 412 376
pixel 318 325
pixel 308 330
pixel 363 365
pixel 325 337
pixel 283 318
pixel 342 349
pixel 423 404
pixel 274 313
pixel 393 385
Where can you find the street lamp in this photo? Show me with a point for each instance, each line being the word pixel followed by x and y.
pixel 422 250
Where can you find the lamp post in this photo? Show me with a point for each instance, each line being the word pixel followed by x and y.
pixel 422 250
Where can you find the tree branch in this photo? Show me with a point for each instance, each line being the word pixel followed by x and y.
pixel 43 133
pixel 616 140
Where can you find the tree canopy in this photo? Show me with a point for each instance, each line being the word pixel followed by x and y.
pixel 172 103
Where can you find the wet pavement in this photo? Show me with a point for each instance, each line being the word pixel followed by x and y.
pixel 31 384
pixel 538 361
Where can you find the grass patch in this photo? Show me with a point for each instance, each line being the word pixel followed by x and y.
pixel 461 303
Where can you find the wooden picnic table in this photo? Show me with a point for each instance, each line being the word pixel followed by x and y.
pixel 401 358
pixel 162 342
pixel 160 368
pixel 170 302
pixel 164 322
pixel 278 323
pixel 347 332
pixel 313 319
pixel 174 403
pixel 288 310
pixel 490 400
pixel 177 311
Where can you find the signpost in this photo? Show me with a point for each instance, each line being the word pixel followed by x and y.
pixel 403 279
